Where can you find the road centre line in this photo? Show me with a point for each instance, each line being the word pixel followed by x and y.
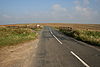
pixel 79 59
pixel 56 37
pixel 85 64
pixel 51 32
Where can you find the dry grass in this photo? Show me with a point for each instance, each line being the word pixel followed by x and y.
pixel 95 27
pixel 88 32
pixel 89 36
pixel 14 34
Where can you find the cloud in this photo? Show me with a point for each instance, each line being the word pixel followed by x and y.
pixel 86 2
pixel 6 16
pixel 58 7
pixel 83 3
pixel 58 11
pixel 77 2
pixel 83 10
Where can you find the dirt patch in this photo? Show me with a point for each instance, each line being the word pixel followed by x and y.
pixel 18 56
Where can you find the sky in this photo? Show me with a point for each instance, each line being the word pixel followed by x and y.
pixel 49 11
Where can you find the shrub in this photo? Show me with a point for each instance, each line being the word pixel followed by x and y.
pixel 10 36
pixel 92 37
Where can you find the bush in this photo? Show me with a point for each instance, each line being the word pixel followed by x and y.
pixel 10 36
pixel 92 37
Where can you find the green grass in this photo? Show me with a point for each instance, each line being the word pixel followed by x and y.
pixel 88 36
pixel 12 36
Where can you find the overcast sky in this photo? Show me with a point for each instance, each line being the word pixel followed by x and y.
pixel 64 11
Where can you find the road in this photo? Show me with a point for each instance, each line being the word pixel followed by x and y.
pixel 57 50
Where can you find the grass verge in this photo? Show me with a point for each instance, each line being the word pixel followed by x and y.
pixel 12 36
pixel 88 36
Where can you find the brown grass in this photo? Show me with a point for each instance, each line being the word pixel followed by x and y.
pixel 95 27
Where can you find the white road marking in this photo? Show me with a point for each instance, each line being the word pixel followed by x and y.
pixel 56 37
pixel 79 59
pixel 51 32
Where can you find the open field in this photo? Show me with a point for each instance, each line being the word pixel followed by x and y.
pixel 95 27
pixel 74 26
pixel 89 33
pixel 14 34
pixel 89 36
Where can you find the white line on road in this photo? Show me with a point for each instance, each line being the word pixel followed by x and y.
pixel 79 59
pixel 56 37
pixel 51 32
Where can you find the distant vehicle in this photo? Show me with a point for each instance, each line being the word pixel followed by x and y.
pixel 38 25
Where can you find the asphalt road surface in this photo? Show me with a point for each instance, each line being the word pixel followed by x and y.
pixel 57 50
